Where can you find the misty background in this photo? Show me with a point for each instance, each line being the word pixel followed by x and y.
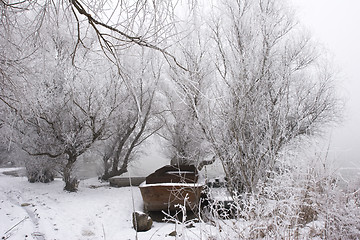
pixel 334 24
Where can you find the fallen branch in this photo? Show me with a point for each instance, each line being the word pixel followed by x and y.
pixel 13 228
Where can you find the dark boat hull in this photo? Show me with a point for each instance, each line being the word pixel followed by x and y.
pixel 166 196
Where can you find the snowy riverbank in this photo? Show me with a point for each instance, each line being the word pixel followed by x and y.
pixel 96 211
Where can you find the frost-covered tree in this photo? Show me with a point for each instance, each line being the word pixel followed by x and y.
pixel 117 25
pixel 16 50
pixel 186 143
pixel 186 93
pixel 184 98
pixel 135 119
pixel 273 87
pixel 65 99
pixel 63 127
pixel 60 109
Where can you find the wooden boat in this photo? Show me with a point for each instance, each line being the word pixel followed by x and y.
pixel 170 186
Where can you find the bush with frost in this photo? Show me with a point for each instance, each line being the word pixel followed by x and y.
pixel 301 199
pixel 41 170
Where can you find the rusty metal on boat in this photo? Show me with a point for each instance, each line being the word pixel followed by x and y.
pixel 169 186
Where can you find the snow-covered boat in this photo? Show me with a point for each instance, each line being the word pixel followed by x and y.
pixel 125 180
pixel 170 186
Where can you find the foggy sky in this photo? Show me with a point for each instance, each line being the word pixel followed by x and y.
pixel 335 25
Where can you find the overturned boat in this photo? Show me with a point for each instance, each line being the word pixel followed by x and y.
pixel 171 186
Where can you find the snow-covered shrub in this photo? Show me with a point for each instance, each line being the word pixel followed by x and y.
pixel 40 170
pixel 339 209
pixel 302 199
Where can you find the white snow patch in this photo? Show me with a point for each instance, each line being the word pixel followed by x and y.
pixel 96 211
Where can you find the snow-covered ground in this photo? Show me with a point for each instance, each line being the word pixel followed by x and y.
pixel 96 211
pixel 43 211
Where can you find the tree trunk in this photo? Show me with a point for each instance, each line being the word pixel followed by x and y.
pixel 71 182
pixel 119 145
